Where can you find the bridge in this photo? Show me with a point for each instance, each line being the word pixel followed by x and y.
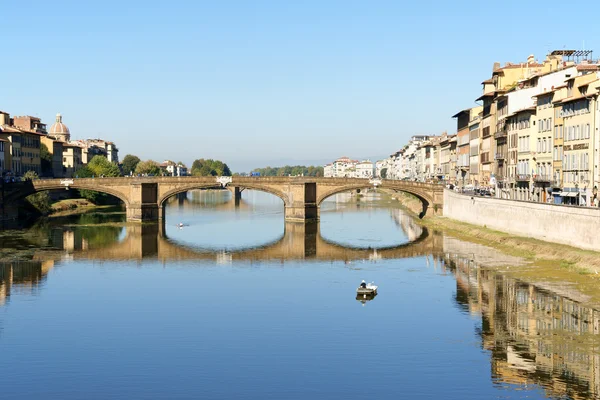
pixel 145 197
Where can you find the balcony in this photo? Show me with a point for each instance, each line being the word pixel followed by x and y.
pixel 523 178
pixel 499 156
pixel 500 135
pixel 542 178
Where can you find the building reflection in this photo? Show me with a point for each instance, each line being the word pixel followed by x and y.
pixel 22 277
pixel 534 336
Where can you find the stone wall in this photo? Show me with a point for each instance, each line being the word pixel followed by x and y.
pixel 575 226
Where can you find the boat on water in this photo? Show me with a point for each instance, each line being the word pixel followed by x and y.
pixel 366 289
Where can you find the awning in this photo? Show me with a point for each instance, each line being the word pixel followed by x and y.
pixel 572 194
pixel 564 194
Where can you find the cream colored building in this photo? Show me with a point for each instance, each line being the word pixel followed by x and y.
pixel 579 127
pixel 523 122
pixel 72 159
pixel 542 155
pixel 364 169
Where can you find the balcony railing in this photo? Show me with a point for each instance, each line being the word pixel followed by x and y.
pixel 523 178
pixel 499 156
pixel 542 178
pixel 500 134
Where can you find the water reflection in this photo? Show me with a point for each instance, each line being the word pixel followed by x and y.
pixel 299 241
pixel 535 337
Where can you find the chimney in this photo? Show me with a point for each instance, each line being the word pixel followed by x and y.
pixel 496 66
pixel 531 59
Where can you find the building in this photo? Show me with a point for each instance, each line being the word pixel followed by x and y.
pixel 364 169
pixel 60 131
pixel 173 169
pixel 5 159
pixel 344 167
pixel 328 170
pixel 55 148
pixel 72 159
pixel 578 105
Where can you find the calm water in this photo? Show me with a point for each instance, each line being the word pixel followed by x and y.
pixel 238 304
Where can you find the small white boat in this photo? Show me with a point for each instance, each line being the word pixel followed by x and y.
pixel 367 289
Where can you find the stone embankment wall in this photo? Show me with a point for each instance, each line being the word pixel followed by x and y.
pixel 574 226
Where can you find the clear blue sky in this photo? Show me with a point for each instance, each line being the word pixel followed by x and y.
pixel 265 82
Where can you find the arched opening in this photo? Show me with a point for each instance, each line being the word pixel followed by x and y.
pixel 382 222
pixel 31 201
pixel 211 218
pixel 425 203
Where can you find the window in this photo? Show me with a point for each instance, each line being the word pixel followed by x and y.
pixel 587 131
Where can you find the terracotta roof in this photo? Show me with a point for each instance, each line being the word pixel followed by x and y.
pixel 490 94
pixel 491 80
pixel 588 67
pixel 543 93
pixel 460 112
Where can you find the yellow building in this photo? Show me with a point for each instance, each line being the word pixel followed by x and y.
pixel 523 122
pixel 577 110
pixel 55 148
pixel 32 129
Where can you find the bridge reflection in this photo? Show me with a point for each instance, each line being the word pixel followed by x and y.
pixel 300 241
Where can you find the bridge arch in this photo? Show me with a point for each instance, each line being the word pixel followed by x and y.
pixel 163 197
pixel 41 185
pixel 425 200
pixel 181 189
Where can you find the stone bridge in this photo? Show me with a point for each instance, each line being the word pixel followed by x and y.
pixel 300 241
pixel 145 197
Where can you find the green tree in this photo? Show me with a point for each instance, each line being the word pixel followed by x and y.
pixel 202 167
pixel 287 170
pixel 383 173
pixel 100 166
pixel 149 167
pixel 129 163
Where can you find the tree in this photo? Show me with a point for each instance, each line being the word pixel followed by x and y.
pixel 288 170
pixel 202 167
pixel 46 161
pixel 148 167
pixel 100 166
pixel 383 173
pixel 129 163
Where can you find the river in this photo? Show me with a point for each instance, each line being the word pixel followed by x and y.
pixel 238 304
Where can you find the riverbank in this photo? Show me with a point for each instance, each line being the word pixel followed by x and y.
pixel 68 207
pixel 549 264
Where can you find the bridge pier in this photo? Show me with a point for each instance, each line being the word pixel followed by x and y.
pixel 302 206
pixel 143 206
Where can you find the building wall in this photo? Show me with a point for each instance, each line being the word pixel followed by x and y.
pixel 574 226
